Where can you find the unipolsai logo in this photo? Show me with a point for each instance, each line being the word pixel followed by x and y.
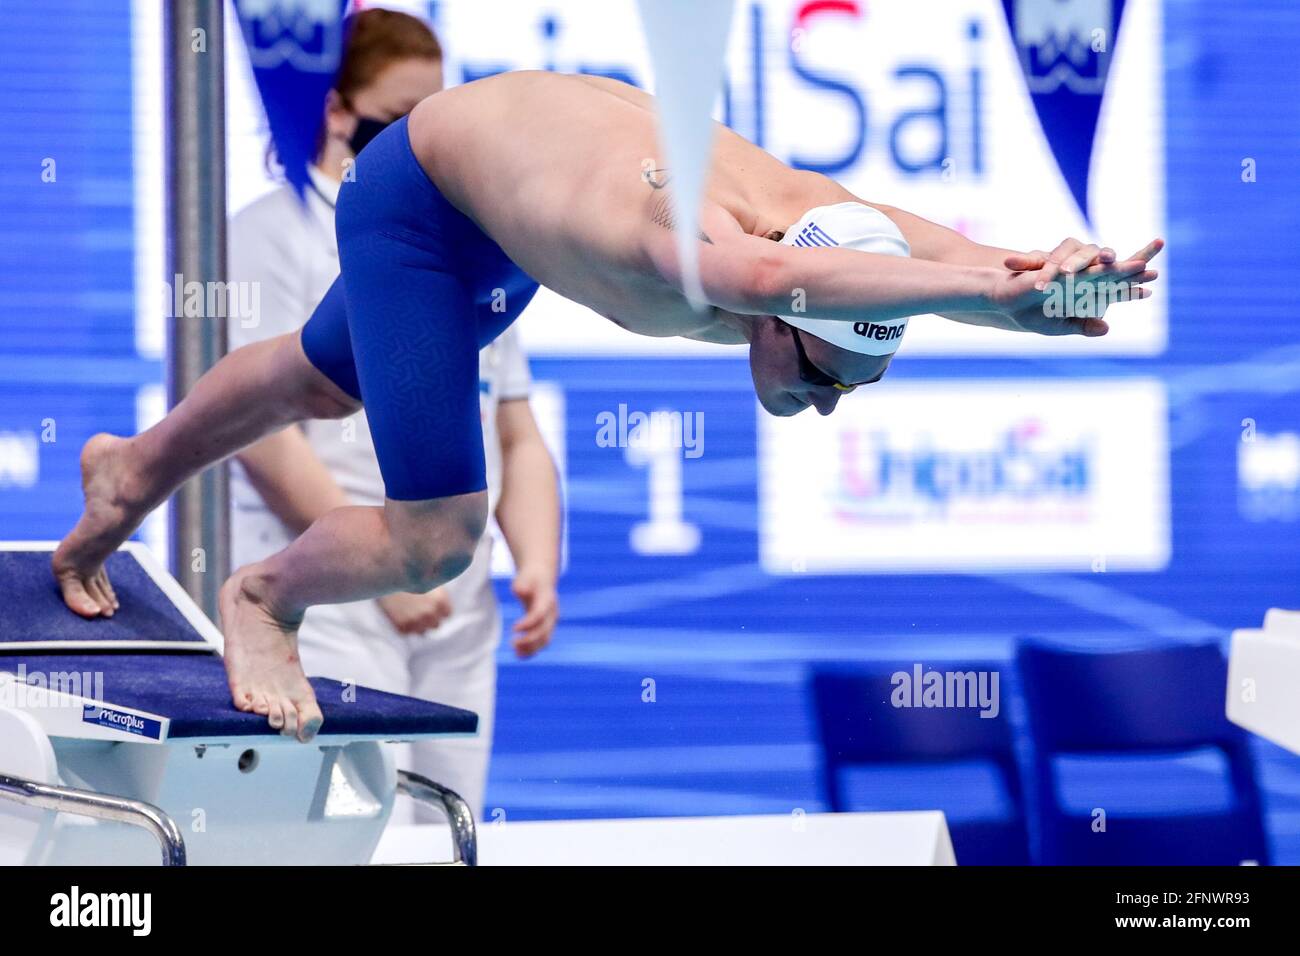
pixel 1023 473
pixel 304 33
pixel 1065 49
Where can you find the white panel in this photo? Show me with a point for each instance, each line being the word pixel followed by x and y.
pixel 1263 674
pixel 970 475
pixel 1017 198
pixel 795 839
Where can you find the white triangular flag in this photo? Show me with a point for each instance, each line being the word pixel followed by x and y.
pixel 687 40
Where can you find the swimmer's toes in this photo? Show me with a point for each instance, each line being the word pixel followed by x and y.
pixel 289 727
pixel 76 597
pixel 97 588
pixel 310 719
pixel 309 729
pixel 108 591
pixel 275 715
pixel 242 699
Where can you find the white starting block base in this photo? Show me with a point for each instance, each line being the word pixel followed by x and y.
pixel 1263 693
pixel 815 839
pixel 113 758
pixel 303 805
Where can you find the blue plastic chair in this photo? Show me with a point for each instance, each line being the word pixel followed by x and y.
pixel 1157 700
pixel 860 727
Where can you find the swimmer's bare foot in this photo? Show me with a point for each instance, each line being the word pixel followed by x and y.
pixel 113 510
pixel 262 665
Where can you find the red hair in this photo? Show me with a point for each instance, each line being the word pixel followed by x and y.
pixel 374 41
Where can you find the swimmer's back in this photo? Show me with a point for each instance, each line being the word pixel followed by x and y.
pixel 550 165
pixel 537 154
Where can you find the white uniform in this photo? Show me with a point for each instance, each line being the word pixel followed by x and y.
pixel 292 253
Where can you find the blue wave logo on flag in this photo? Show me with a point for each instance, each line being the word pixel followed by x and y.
pixel 1065 49
pixel 294 47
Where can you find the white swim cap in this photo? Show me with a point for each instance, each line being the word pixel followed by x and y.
pixel 853 226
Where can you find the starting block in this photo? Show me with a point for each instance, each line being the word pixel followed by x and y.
pixel 118 738
pixel 1263 674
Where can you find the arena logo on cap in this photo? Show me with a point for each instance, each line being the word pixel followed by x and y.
pixel 881 331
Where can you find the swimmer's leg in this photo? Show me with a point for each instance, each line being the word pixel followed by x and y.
pixel 415 358
pixel 249 394
pixel 348 554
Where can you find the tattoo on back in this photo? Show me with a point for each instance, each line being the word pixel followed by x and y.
pixel 661 214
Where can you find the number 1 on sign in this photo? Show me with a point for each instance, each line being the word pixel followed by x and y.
pixel 664 532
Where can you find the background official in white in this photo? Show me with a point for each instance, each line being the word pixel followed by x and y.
pixel 441 645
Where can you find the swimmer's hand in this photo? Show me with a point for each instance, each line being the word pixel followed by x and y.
pixel 536 592
pixel 1084 282
pixel 416 613
pixel 1081 259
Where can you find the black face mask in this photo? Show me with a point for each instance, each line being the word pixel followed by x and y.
pixel 367 129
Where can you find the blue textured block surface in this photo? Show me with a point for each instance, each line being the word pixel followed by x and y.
pixel 191 690
pixel 188 688
pixel 31 608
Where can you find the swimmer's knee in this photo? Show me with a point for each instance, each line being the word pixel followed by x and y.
pixel 323 399
pixel 431 563
pixel 315 395
pixel 436 539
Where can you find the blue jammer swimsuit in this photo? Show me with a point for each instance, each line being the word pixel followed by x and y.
pixel 401 327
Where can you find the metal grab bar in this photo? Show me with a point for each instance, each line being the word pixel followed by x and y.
pixel 146 816
pixel 87 803
pixel 464 842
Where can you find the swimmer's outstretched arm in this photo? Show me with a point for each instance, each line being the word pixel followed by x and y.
pixel 929 240
pixel 750 275
pixel 754 276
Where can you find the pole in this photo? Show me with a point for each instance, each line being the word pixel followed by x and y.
pixel 196 172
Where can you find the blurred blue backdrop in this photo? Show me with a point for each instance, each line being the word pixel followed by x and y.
pixel 727 645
